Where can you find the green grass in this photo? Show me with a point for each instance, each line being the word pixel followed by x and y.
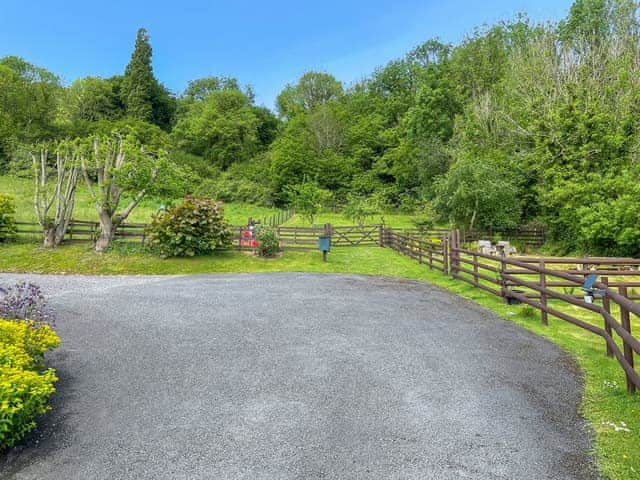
pixel 396 220
pixel 22 190
pixel 605 399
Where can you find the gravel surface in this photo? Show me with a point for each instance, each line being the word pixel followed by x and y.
pixel 297 376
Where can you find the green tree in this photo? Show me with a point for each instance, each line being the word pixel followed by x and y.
pixel 478 193
pixel 29 105
pixel 308 199
pixel 93 99
pixel 143 96
pixel 222 128
pixel 312 90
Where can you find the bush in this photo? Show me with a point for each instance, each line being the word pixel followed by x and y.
pixel 193 227
pixel 25 387
pixel 7 217
pixel 268 242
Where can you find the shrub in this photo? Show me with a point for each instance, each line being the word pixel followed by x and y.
pixel 25 301
pixel 193 227
pixel 25 387
pixel 7 217
pixel 268 242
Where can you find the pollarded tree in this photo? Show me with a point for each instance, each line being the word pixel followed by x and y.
pixel 55 189
pixel 117 167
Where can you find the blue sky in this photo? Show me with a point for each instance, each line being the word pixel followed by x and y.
pixel 263 43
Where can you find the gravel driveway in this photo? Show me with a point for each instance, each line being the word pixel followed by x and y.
pixel 297 376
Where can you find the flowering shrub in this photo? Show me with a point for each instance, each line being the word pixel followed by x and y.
pixel 268 242
pixel 193 227
pixel 25 387
pixel 7 217
pixel 25 301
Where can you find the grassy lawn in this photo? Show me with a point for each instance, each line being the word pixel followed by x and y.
pixel 605 399
pixel 22 190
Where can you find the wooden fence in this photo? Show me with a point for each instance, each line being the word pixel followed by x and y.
pixel 274 220
pixel 430 252
pixel 548 285
pixel 306 238
pixel 526 237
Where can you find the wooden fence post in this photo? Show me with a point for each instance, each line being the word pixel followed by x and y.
pixel 475 269
pixel 380 235
pixel 543 296
pixel 606 305
pixel 628 351
pixel 445 254
pixel 503 288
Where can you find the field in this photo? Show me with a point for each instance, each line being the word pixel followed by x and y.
pixel 22 190
pixel 235 213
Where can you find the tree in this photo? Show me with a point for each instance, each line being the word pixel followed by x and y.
pixel 312 90
pixel 308 199
pixel 222 128
pixel 61 195
pixel 93 99
pixel 359 208
pixel 143 96
pixel 198 90
pixel 29 98
pixel 478 193
pixel 115 167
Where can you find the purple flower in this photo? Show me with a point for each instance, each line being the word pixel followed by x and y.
pixel 25 301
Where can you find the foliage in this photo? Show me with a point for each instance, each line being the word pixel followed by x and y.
pixel 222 128
pixel 308 199
pixel 268 241
pixel 24 386
pixel 116 166
pixel 478 193
pixel 553 107
pixel 93 99
pixel 360 209
pixel 7 217
pixel 143 96
pixel 193 227
pixel 312 90
pixel 25 301
pixel 28 104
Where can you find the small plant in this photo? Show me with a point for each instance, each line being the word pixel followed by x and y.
pixel 195 226
pixel 25 387
pixel 528 312
pixel 268 242
pixel 7 217
pixel 25 301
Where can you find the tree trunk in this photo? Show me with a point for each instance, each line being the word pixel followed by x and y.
pixel 49 237
pixel 107 232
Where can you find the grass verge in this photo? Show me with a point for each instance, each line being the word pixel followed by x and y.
pixel 605 401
